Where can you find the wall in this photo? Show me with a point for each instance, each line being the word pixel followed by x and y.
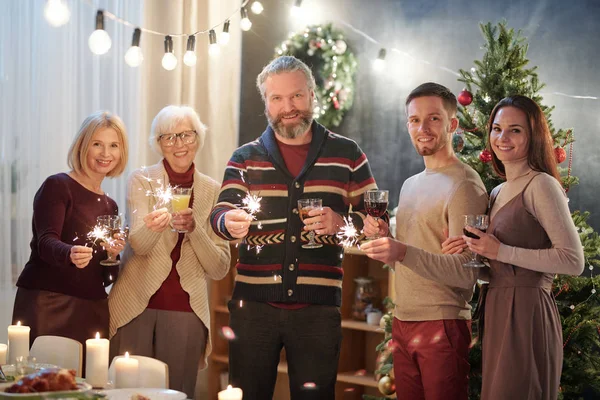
pixel 563 43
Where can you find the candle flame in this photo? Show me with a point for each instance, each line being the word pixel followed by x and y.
pixel 229 387
pixel 126 354
pixel 97 335
pixel 18 323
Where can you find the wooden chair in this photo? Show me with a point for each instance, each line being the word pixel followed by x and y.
pixel 61 351
pixel 153 373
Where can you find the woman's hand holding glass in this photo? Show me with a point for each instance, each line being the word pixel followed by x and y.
pixel 183 221
pixel 375 227
pixel 486 246
pixel 158 220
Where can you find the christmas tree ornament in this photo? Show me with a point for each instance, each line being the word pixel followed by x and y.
pixel 386 385
pixel 465 97
pixel 561 154
pixel 458 143
pixel 485 156
pixel 340 47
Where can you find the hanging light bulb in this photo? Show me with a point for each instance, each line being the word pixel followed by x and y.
pixel 379 62
pixel 134 56
pixel 99 40
pixel 245 23
pixel 56 12
pixel 213 47
pixel 189 58
pixel 296 10
pixel 224 38
pixel 169 61
pixel 257 7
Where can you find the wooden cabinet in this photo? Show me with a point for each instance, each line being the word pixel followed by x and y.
pixel 358 356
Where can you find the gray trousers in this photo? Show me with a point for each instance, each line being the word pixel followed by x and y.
pixel 176 338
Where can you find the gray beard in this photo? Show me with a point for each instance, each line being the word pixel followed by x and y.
pixel 291 131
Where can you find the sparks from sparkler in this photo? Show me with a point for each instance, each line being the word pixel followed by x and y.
pixel 99 233
pixel 163 194
pixel 348 234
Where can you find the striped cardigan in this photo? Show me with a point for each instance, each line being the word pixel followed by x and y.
pixel 272 266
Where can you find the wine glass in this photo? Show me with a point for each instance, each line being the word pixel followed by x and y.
pixel 180 202
pixel 481 222
pixel 376 202
pixel 304 206
pixel 112 224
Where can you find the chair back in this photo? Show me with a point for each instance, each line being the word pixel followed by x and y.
pixel 61 351
pixel 153 373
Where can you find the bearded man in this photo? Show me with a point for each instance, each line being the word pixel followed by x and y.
pixel 286 295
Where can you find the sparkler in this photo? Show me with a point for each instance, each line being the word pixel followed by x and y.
pixel 348 234
pixel 251 204
pixel 99 233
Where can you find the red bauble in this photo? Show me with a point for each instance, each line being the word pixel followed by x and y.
pixel 485 156
pixel 465 97
pixel 561 154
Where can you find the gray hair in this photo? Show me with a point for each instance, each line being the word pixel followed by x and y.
pixel 284 64
pixel 168 118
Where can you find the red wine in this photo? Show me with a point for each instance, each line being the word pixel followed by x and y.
pixel 304 213
pixel 376 209
pixel 472 235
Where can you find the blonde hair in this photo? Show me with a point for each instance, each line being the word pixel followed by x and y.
pixel 168 118
pixel 76 159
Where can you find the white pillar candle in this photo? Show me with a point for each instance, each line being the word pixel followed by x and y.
pixel 96 362
pixel 230 393
pixel 3 351
pixel 18 342
pixel 126 372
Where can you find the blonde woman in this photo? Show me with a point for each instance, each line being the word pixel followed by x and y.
pixel 61 289
pixel 159 306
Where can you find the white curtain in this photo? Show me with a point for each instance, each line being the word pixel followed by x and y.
pixel 50 81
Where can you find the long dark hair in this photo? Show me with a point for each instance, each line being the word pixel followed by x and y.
pixel 540 152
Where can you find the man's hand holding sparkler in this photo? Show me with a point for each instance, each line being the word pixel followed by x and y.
pixel 81 256
pixel 158 220
pixel 375 227
pixel 324 221
pixel 237 222
pixel 184 220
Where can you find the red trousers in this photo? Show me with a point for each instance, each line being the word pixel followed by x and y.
pixel 431 359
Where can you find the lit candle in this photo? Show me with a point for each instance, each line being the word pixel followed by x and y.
pixel 231 393
pixel 18 342
pixel 96 362
pixel 126 372
pixel 3 350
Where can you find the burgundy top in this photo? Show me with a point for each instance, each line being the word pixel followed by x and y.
pixel 294 157
pixel 63 213
pixel 170 295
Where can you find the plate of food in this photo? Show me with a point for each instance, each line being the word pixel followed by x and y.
pixel 50 383
pixel 143 394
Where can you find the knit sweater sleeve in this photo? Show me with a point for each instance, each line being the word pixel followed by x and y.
pixel 469 198
pixel 361 180
pixel 211 250
pixel 139 204
pixel 233 190
pixel 546 201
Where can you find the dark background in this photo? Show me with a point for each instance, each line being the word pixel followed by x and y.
pixel 563 42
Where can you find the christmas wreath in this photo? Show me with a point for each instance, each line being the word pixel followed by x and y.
pixel 323 48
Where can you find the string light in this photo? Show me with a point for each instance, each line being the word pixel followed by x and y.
pixel 245 23
pixel 134 56
pixel 56 13
pixel 379 62
pixel 224 37
pixel 213 47
pixel 296 10
pixel 99 40
pixel 190 58
pixel 257 7
pixel 169 61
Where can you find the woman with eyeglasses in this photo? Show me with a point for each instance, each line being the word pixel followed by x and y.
pixel 159 306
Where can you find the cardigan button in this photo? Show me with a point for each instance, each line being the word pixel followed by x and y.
pixel 297 184
pixel 290 292
pixel 295 211
pixel 291 267
pixel 293 239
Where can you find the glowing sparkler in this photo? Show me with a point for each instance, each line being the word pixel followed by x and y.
pixel 99 233
pixel 251 204
pixel 348 234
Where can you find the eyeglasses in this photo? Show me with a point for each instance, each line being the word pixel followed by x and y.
pixel 169 139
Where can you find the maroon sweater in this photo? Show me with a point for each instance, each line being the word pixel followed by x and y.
pixel 63 213
pixel 170 295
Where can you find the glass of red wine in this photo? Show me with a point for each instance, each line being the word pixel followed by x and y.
pixel 376 202
pixel 481 222
pixel 304 206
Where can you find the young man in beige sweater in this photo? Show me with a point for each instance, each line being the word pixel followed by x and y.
pixel 431 329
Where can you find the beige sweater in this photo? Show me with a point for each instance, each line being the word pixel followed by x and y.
pixel 147 262
pixel 545 199
pixel 431 201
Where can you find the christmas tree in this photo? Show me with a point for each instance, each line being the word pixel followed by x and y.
pixel 503 71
